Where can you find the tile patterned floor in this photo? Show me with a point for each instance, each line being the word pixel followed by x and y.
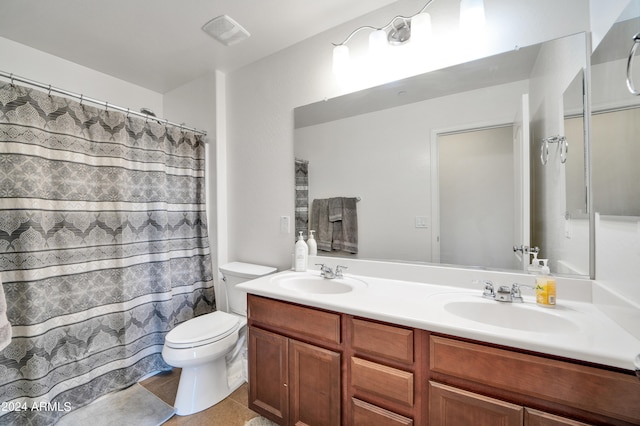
pixel 232 411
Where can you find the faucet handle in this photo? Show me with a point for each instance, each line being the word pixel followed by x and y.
pixel 488 288
pixel 516 295
pixel 323 268
pixel 339 269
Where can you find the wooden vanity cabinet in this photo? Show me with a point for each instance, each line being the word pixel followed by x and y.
pixel 514 388
pixel 317 367
pixel 293 379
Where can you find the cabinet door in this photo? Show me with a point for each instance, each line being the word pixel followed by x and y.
pixel 314 385
pixel 268 365
pixel 538 418
pixel 455 407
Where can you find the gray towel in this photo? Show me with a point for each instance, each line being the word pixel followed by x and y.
pixel 320 222
pixel 345 231
pixel 5 326
pixel 335 209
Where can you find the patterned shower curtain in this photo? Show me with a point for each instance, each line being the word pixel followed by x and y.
pixel 103 249
pixel 302 198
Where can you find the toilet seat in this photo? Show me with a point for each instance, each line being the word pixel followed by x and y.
pixel 202 330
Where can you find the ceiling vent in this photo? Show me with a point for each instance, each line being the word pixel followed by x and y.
pixel 225 30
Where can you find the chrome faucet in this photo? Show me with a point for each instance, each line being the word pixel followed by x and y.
pixel 504 293
pixel 327 272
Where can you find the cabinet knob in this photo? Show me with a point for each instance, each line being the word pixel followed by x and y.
pixel 285 385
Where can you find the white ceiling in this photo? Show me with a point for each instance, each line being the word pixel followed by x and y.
pixel 159 44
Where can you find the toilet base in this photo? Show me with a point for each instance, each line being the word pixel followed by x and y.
pixel 202 387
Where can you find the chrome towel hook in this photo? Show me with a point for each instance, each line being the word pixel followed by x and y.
pixel 632 89
pixel 544 151
pixel 563 146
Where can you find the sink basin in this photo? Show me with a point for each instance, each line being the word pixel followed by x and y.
pixel 515 316
pixel 315 284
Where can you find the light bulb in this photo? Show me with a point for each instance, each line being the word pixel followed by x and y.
pixel 421 28
pixel 340 59
pixel 471 16
pixel 378 42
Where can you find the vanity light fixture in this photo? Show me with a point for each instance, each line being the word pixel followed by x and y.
pixel 402 29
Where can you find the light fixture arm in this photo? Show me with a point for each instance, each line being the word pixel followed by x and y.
pixel 385 27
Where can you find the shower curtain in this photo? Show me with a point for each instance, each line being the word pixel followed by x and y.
pixel 103 249
pixel 302 198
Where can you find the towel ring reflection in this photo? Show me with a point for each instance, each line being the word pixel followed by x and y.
pixel 544 152
pixel 563 145
pixel 564 149
pixel 632 89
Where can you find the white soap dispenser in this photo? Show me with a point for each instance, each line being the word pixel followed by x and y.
pixel 313 245
pixel 535 266
pixel 301 255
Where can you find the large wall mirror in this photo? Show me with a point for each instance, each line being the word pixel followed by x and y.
pixel 446 165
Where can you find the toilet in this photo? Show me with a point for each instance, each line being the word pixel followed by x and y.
pixel 211 348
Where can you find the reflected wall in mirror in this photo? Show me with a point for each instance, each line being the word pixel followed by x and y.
pixel 615 143
pixel 381 145
pixel 476 174
pixel 615 125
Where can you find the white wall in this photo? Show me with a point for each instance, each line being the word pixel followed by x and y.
pixel 262 97
pixel 42 67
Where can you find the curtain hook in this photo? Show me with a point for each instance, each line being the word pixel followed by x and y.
pixel 127 112
pixel 11 77
pixel 106 106
pixel 49 90
pixel 81 96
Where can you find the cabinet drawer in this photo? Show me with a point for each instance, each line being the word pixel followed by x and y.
pixel 452 407
pixel 365 414
pixel 382 340
pixel 538 418
pixel 381 380
pixel 587 388
pixel 319 325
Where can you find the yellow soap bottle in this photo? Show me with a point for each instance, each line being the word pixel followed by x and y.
pixel 545 287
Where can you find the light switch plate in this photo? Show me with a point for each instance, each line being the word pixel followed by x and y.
pixel 285 224
pixel 422 222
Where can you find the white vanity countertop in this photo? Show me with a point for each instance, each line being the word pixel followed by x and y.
pixel 591 336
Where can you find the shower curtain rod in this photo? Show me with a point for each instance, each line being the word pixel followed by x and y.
pixel 106 105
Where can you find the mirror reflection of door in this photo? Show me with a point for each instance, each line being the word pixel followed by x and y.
pixel 477 198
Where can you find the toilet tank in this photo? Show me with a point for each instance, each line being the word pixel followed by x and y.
pixel 235 273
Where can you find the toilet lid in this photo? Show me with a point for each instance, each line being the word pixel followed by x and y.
pixel 202 330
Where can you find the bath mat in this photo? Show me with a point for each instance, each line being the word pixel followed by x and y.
pixel 132 406
pixel 260 421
